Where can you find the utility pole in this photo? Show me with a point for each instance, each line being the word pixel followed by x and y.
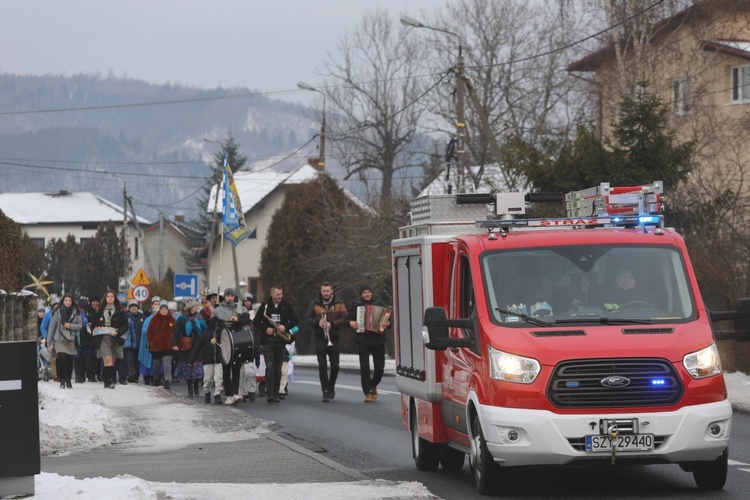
pixel 460 117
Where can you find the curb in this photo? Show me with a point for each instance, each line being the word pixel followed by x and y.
pixel 355 475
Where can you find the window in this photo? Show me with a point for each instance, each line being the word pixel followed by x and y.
pixel 741 84
pixel 38 242
pixel 637 283
pixel 253 286
pixel 681 96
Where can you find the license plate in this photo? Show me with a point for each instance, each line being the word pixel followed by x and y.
pixel 624 442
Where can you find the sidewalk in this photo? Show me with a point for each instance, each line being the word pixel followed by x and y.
pixel 145 442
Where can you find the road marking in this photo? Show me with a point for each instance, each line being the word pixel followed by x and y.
pixel 342 386
pixel 10 385
pixel 734 462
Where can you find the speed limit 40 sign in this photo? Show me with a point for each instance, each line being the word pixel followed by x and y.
pixel 140 293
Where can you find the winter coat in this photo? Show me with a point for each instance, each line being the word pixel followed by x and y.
pixel 159 333
pixel 335 313
pixel 203 350
pixel 187 327
pixel 65 338
pixel 282 314
pixel 367 337
pixel 119 322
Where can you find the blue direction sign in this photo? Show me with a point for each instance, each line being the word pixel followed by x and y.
pixel 185 285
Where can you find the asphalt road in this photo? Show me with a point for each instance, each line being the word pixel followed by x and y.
pixel 369 438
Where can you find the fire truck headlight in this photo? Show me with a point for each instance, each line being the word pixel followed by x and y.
pixel 511 368
pixel 703 363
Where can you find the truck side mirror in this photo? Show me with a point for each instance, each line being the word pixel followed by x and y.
pixel 435 331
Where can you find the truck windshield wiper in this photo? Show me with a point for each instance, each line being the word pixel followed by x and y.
pixel 604 320
pixel 525 317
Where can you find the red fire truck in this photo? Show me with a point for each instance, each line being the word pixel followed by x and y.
pixel 524 342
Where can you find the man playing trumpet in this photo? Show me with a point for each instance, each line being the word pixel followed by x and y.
pixel 326 314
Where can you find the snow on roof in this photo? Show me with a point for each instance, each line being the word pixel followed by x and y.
pixel 60 207
pixel 253 187
pixel 492 181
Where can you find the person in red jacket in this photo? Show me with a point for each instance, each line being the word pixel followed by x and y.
pixel 159 334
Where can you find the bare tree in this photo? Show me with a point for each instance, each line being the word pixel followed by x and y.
pixel 374 91
pixel 515 65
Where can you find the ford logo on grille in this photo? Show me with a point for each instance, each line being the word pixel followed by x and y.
pixel 615 381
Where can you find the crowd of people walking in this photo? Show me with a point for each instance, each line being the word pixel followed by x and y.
pixel 233 350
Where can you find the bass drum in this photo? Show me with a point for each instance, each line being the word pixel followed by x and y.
pixel 238 346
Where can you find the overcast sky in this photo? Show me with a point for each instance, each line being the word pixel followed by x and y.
pixel 259 44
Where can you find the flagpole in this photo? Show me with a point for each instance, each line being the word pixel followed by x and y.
pixel 225 186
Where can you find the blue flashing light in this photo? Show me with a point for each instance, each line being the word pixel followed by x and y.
pixel 658 381
pixel 572 384
pixel 648 219
pixel 616 220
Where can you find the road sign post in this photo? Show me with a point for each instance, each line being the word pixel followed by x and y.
pixel 185 285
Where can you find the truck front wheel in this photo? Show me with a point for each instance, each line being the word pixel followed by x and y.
pixel 426 454
pixel 712 475
pixel 487 474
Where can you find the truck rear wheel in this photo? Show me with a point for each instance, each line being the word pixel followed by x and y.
pixel 712 475
pixel 487 474
pixel 450 459
pixel 426 454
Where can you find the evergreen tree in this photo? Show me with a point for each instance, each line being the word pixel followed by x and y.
pixel 64 264
pixel 321 234
pixel 203 224
pixel 11 264
pixel 103 260
pixel 640 150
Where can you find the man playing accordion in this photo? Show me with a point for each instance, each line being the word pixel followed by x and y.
pixel 370 342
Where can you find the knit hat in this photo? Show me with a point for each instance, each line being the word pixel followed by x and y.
pixel 230 291
pixel 156 299
pixel 363 288
pixel 132 303
pixel 83 303
pixel 163 303
pixel 41 309
pixel 249 296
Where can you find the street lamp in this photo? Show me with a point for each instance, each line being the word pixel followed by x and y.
pixel 322 159
pixel 460 119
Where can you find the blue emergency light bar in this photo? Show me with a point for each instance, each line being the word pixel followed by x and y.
pixel 571 222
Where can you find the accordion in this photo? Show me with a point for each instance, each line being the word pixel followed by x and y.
pixel 372 318
pixel 103 330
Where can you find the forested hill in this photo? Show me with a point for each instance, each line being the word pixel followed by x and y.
pixel 56 129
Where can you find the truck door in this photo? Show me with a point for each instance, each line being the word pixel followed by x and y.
pixel 458 363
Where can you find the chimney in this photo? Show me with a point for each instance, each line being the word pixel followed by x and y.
pixel 179 218
pixel 314 162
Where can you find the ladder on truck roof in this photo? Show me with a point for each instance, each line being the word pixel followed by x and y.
pixel 625 200
pixel 603 205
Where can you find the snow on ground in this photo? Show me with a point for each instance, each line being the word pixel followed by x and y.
pixel 80 419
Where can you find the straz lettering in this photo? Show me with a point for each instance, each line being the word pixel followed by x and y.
pixel 568 222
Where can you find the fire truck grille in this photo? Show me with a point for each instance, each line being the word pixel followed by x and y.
pixel 614 383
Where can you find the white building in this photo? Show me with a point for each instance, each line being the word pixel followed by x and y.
pixel 50 216
pixel 261 194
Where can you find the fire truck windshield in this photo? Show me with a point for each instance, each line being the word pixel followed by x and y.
pixel 581 283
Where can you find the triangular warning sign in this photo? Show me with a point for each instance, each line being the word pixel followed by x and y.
pixel 140 278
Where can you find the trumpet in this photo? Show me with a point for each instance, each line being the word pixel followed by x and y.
pixel 326 330
pixel 285 336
